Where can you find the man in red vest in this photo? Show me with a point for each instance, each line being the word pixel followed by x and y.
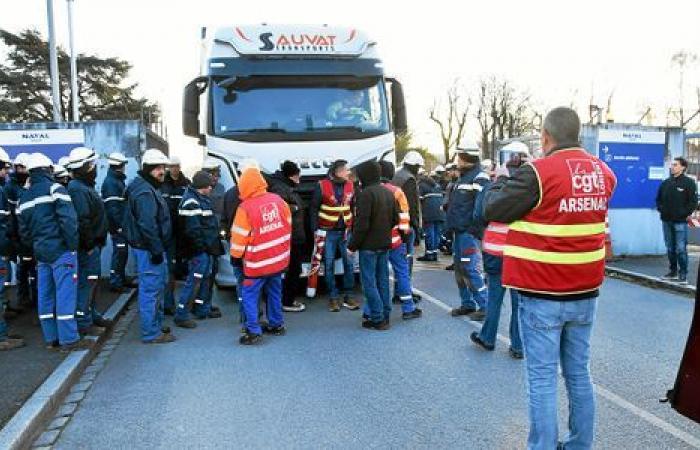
pixel 331 212
pixel 260 244
pixel 554 255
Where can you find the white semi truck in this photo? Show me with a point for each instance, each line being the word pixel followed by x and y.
pixel 310 94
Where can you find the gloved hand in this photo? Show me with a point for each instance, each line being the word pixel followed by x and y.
pixel 156 259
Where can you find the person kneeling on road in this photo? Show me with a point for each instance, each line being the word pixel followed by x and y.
pixel 260 244
pixel 377 214
pixel 200 244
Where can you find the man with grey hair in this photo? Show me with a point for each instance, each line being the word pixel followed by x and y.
pixel 554 255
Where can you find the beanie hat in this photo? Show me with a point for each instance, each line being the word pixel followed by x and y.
pixel 202 180
pixel 290 168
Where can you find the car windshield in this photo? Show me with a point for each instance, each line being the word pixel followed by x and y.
pixel 283 106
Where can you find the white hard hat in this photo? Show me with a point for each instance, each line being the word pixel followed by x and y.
pixel 210 164
pixel 21 159
pixel 517 147
pixel 79 156
pixel 116 159
pixel 59 171
pixel 63 160
pixel 175 160
pixel 4 157
pixel 450 166
pixel 469 147
pixel 413 158
pixel 37 160
pixel 439 169
pixel 154 157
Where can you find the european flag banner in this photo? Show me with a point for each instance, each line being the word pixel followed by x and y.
pixel 54 143
pixel 637 159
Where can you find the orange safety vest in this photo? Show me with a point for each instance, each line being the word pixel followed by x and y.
pixel 268 251
pixel 558 248
pixel 404 224
pixel 495 238
pixel 331 211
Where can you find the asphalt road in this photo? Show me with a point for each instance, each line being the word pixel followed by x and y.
pixel 331 384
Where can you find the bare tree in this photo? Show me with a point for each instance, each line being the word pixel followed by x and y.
pixel 682 59
pixel 452 119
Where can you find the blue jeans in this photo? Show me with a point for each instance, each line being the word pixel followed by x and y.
pixel 152 279
pixel 402 285
pixel 120 255
pixel 493 313
pixel 4 273
pixel 272 286
pixel 195 289
pixel 558 332
pixel 88 277
pixel 335 239
pixel 676 237
pixel 467 260
pixel 58 292
pixel 432 232
pixel 374 273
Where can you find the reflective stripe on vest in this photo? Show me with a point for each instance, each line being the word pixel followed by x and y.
pixel 330 211
pixel 495 238
pixel 404 216
pixel 558 248
pixel 268 251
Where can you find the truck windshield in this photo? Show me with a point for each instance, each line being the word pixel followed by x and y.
pixel 291 108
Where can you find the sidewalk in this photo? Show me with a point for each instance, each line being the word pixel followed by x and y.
pixel 652 268
pixel 25 369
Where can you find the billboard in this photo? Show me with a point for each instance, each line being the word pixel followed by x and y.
pixel 637 159
pixel 52 143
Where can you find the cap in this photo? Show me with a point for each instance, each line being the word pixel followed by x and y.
pixel 201 180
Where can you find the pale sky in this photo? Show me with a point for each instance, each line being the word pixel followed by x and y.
pixel 562 51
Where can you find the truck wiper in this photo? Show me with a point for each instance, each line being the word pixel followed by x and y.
pixel 336 128
pixel 258 130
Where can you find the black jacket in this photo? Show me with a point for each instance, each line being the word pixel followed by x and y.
pixel 173 191
pixel 284 187
pixel 92 219
pixel 406 180
pixel 232 200
pixel 113 189
pixel 677 198
pixel 376 211
pixel 431 198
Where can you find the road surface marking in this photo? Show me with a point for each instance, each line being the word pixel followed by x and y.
pixel 603 392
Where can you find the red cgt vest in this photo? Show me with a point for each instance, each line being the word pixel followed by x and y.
pixel 495 238
pixel 268 252
pixel 330 212
pixel 558 248
pixel 404 216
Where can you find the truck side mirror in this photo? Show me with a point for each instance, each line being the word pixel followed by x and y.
pixel 398 108
pixel 190 106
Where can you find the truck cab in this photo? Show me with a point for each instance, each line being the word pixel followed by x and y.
pixel 310 94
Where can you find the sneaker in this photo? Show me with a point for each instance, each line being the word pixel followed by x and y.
pixel 462 311
pixel 683 279
pixel 450 267
pixel 275 331
pixel 334 306
pixel 11 344
pixel 478 316
pixel 350 303
pixel 515 354
pixel 169 311
pixel 250 339
pixel 415 314
pixel 670 276
pixel 478 341
pixel 379 326
pixel 294 307
pixel 102 322
pixel 164 338
pixel 214 314
pixel 80 344
pixel 189 323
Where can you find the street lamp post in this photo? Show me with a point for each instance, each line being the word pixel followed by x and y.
pixel 53 64
pixel 73 64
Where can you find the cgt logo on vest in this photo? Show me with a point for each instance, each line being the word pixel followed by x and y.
pixel 272 219
pixel 586 178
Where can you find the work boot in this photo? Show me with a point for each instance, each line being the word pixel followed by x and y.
pixel 478 316
pixel 350 303
pixel 189 323
pixel 275 331
pixel 10 344
pixel 379 326
pixel 515 354
pixel 102 322
pixel 415 314
pixel 164 338
pixel 450 267
pixel 169 311
pixel 461 311
pixel 215 308
pixel 80 344
pixel 672 275
pixel 334 305
pixel 478 341
pixel 53 345
pixel 250 339
pixel 165 330
pixel 214 313
pixel 417 298
pixel 425 258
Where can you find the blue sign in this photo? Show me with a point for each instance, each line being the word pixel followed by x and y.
pixel 637 159
pixel 54 143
